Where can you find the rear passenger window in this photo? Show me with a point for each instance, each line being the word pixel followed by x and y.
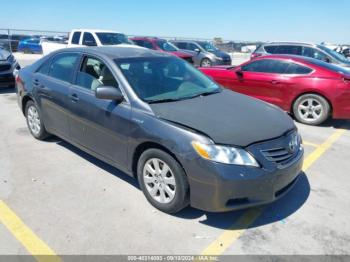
pixel 298 69
pixel 76 38
pixel 181 45
pixel 62 66
pixel 89 40
pixel 270 49
pixel 288 50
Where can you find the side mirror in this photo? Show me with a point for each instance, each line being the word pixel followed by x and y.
pixel 239 73
pixel 197 50
pixel 109 92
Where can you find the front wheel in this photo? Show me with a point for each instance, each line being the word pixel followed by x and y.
pixel 163 181
pixel 311 109
pixel 206 62
pixel 34 121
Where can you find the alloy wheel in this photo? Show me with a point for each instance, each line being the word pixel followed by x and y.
pixel 310 109
pixel 34 120
pixel 159 180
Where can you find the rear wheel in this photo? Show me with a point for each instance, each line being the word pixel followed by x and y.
pixel 34 121
pixel 163 181
pixel 206 62
pixel 311 109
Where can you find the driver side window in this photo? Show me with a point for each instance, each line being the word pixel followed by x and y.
pixel 94 73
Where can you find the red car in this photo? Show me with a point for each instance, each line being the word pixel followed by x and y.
pixel 163 46
pixel 310 89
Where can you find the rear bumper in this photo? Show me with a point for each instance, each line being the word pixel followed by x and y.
pixel 236 187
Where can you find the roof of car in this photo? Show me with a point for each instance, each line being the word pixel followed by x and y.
pixel 119 51
pixel 96 30
pixel 289 43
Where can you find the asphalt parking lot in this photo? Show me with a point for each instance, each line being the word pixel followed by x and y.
pixel 56 199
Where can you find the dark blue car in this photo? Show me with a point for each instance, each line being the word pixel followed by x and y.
pixel 157 118
pixel 30 46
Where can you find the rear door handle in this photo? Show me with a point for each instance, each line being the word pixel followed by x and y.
pixel 74 98
pixel 274 82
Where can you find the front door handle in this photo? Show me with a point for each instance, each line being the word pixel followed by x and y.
pixel 37 83
pixel 74 98
pixel 274 82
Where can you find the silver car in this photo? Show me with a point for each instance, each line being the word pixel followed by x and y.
pixel 204 53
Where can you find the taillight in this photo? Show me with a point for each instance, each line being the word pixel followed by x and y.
pixel 346 80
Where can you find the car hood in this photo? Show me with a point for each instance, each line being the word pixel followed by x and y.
pixel 227 118
pixel 221 54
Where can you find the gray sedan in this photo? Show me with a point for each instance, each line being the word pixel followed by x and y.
pixel 157 118
pixel 204 53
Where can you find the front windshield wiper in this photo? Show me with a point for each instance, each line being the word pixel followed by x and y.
pixel 155 101
pixel 205 94
pixel 166 100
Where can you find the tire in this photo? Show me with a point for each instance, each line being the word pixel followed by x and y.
pixel 311 109
pixel 206 62
pixel 34 121
pixel 174 180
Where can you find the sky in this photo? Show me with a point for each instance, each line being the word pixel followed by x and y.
pixel 248 20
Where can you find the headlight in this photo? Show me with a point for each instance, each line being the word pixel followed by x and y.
pixel 224 154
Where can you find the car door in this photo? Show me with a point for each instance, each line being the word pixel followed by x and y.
pixel 263 79
pixel 52 84
pixel 101 126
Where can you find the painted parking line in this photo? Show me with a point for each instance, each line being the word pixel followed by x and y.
pixel 230 235
pixel 34 245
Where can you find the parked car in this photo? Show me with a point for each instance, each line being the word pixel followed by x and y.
pixel 346 52
pixel 30 46
pixel 8 67
pixel 87 37
pixel 319 52
pixel 310 89
pixel 156 117
pixel 162 45
pixel 207 54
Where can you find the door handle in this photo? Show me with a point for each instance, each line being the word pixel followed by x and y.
pixel 37 83
pixel 274 82
pixel 74 98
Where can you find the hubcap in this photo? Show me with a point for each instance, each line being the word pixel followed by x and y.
pixel 206 63
pixel 310 109
pixel 34 120
pixel 159 180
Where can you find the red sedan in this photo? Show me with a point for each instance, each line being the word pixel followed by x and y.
pixel 310 89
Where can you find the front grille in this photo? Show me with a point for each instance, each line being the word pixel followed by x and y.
pixel 5 67
pixel 277 155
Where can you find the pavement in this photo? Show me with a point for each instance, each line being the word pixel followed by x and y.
pixel 57 200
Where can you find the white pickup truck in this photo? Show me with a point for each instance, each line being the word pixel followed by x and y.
pixel 85 37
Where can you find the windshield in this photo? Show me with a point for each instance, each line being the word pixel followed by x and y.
pixel 157 79
pixel 113 38
pixel 334 54
pixel 208 46
pixel 166 46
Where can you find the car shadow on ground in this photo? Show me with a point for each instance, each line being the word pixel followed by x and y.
pixel 337 123
pixel 275 212
pixel 7 90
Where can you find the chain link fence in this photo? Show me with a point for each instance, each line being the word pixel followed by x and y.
pixel 10 39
